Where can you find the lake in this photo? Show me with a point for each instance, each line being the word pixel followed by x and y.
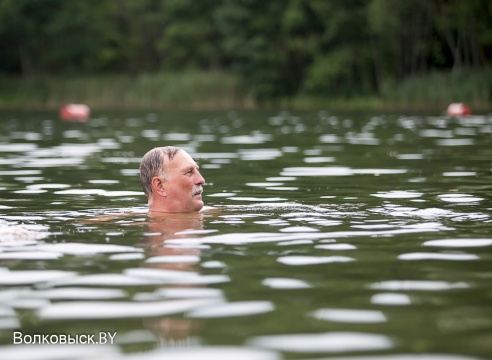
pixel 325 235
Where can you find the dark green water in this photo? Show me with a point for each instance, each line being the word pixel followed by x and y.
pixel 325 235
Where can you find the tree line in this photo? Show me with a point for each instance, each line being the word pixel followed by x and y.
pixel 279 48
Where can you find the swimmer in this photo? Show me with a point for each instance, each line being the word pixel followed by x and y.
pixel 171 181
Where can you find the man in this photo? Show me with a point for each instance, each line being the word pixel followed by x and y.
pixel 171 180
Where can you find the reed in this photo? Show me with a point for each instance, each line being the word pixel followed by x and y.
pixel 308 102
pixel 219 90
pixel 441 88
pixel 195 90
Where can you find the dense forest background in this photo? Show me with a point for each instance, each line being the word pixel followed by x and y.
pixel 146 52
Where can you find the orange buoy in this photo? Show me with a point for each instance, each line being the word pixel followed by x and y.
pixel 75 112
pixel 458 109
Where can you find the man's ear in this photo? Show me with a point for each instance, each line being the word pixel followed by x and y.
pixel 158 186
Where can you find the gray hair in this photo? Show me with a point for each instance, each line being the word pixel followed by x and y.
pixel 152 165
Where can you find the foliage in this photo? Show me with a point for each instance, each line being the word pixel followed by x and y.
pixel 437 88
pixel 164 90
pixel 280 49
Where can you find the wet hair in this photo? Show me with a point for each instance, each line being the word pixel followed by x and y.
pixel 152 165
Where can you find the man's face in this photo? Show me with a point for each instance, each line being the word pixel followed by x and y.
pixel 183 183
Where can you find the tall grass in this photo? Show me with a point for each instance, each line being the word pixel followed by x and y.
pixel 195 90
pixel 441 88
pixel 306 102
pixel 218 90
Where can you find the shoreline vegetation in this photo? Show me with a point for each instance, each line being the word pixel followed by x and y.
pixel 378 55
pixel 205 90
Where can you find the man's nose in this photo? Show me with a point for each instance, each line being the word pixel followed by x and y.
pixel 200 180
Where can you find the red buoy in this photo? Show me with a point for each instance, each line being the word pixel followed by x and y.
pixel 458 109
pixel 75 112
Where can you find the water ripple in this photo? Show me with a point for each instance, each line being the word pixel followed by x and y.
pixel 461 243
pixel 118 309
pixel 312 260
pixel 420 285
pixel 326 342
pixel 349 315
pixel 238 308
pixel 439 256
pixel 209 353
pixel 285 283
pixel 337 171
pixel 86 249
pixel 27 277
pixel 392 299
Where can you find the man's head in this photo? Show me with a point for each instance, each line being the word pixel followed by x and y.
pixel 171 180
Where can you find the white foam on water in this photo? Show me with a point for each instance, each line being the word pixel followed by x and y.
pixel 437 256
pixel 77 293
pixel 459 173
pixel 127 256
pixel 455 142
pixel 58 352
pixel 312 260
pixel 87 249
pixel 264 184
pixel 459 243
pixel 179 259
pixel 190 293
pixel 412 356
pixel 213 264
pixel 48 186
pixel 391 299
pixel 418 285
pixel 330 342
pixel 256 199
pixel 337 171
pixel 298 229
pixel 285 283
pixel 410 156
pixel 398 194
pixel 208 353
pixel 30 255
pixel 9 323
pixel 459 198
pixel 349 315
pixel 18 147
pixel 118 309
pixel 232 309
pixel 175 276
pixel 339 246
pixel 27 277
pixel 103 280
pixel 222 194
pixel 319 159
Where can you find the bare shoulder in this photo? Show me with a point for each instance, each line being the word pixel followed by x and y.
pixel 211 210
pixel 121 215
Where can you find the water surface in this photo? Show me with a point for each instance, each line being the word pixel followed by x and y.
pixel 344 235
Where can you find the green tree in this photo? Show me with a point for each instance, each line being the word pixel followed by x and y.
pixel 254 38
pixel 280 48
pixel 401 36
pixel 22 33
pixel 410 38
pixel 342 60
pixel 461 24
pixel 190 37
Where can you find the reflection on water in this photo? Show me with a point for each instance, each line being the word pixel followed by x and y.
pixel 349 235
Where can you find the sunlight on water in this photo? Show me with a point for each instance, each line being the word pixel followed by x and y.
pixel 350 316
pixel 119 309
pixel 327 342
pixel 462 243
pixel 355 236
